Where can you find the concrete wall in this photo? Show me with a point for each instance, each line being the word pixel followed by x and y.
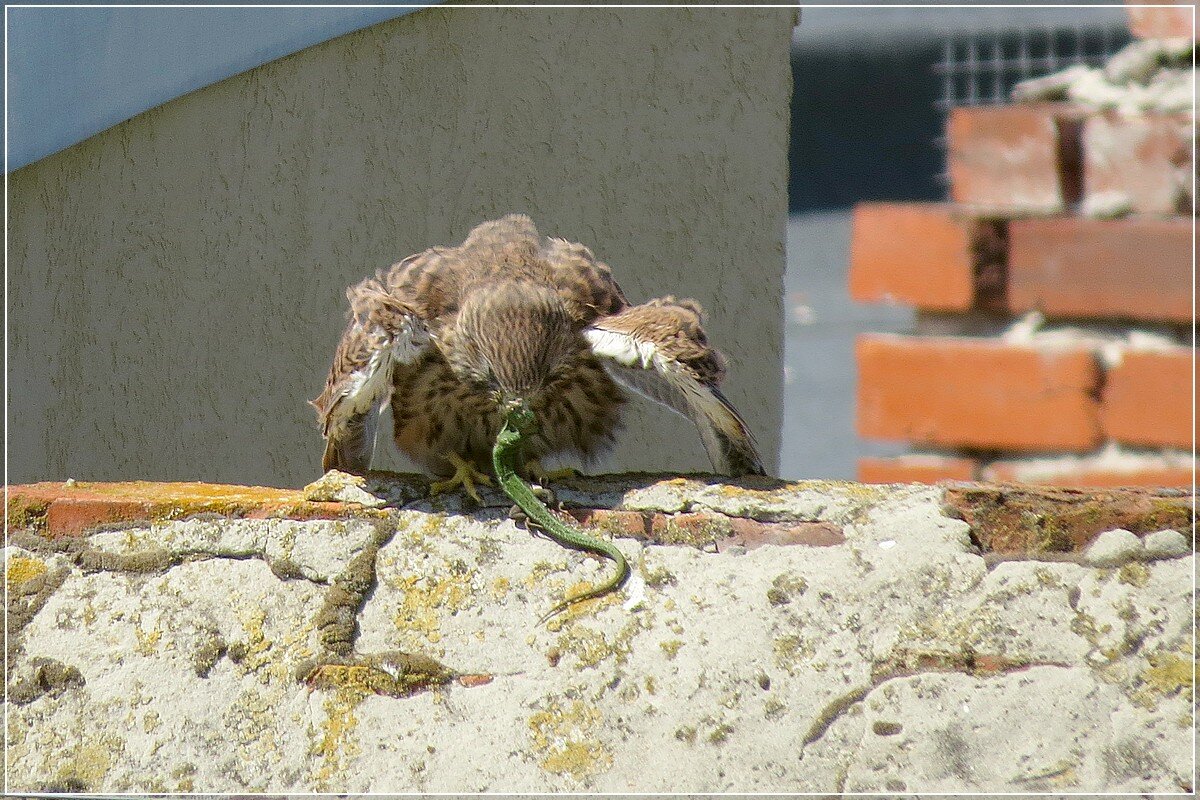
pixel 176 281
pixel 807 637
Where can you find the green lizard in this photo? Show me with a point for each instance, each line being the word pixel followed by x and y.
pixel 519 423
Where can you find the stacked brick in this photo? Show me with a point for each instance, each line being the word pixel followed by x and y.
pixel 1053 294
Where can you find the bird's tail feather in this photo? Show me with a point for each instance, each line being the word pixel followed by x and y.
pixel 351 448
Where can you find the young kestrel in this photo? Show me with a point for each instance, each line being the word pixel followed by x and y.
pixel 449 336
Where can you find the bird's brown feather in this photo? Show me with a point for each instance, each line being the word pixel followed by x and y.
pixel 660 350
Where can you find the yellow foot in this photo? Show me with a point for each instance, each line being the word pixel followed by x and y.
pixel 465 475
pixel 544 476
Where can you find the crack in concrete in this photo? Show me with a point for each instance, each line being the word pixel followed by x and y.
pixel 337 621
pixel 24 603
pixel 838 707
pixel 153 560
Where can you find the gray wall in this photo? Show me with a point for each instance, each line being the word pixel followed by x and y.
pixel 176 281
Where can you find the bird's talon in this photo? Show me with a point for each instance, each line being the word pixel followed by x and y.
pixel 466 475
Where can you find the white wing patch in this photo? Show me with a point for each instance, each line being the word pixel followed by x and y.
pixel 368 383
pixel 352 417
pixel 646 371
pixel 623 348
pixel 368 387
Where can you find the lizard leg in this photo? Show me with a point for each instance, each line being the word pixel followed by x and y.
pixel 465 475
pixel 518 515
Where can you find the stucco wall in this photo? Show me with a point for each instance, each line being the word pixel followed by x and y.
pixel 176 281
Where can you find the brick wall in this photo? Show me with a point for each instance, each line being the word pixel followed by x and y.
pixel 1053 289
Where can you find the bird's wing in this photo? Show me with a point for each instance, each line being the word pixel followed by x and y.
pixel 384 330
pixel 434 282
pixel 585 284
pixel 659 350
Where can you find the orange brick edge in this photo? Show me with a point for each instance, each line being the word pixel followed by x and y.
pixel 916 468
pixel 948 392
pixel 70 509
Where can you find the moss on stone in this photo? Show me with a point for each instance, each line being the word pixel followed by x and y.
pixel 89 761
pixel 589 646
pixel 657 577
pixel 773 708
pixel 146 562
pixel 147 640
pixel 338 745
pixel 24 512
pixel 578 759
pixel 698 531
pixel 394 674
pixel 1134 573
pixel 426 597
pixel 19 571
pixel 1169 673
pixel 206 656
pixel 490 550
pixel 686 733
pixel 564 738
pixel 337 620
pixel 1168 513
pixel 184 775
pixel 720 734
pixel 48 676
pixel 791 651
pixel 541 570
pixel 784 587
pixel 1009 519
pixel 583 608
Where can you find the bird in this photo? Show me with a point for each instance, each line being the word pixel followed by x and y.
pixel 451 337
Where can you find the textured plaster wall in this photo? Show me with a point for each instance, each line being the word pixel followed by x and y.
pixel 176 281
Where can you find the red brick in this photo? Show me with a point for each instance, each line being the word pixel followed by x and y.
pixel 69 516
pixel 689 527
pixel 1127 268
pixel 633 524
pixel 1161 23
pixel 1029 520
pixel 952 392
pixel 751 534
pixel 929 255
pixel 1014 159
pixel 1137 164
pixel 916 469
pixel 1017 472
pixel 1148 399
pixel 61 509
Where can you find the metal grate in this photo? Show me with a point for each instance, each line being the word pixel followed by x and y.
pixel 981 68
